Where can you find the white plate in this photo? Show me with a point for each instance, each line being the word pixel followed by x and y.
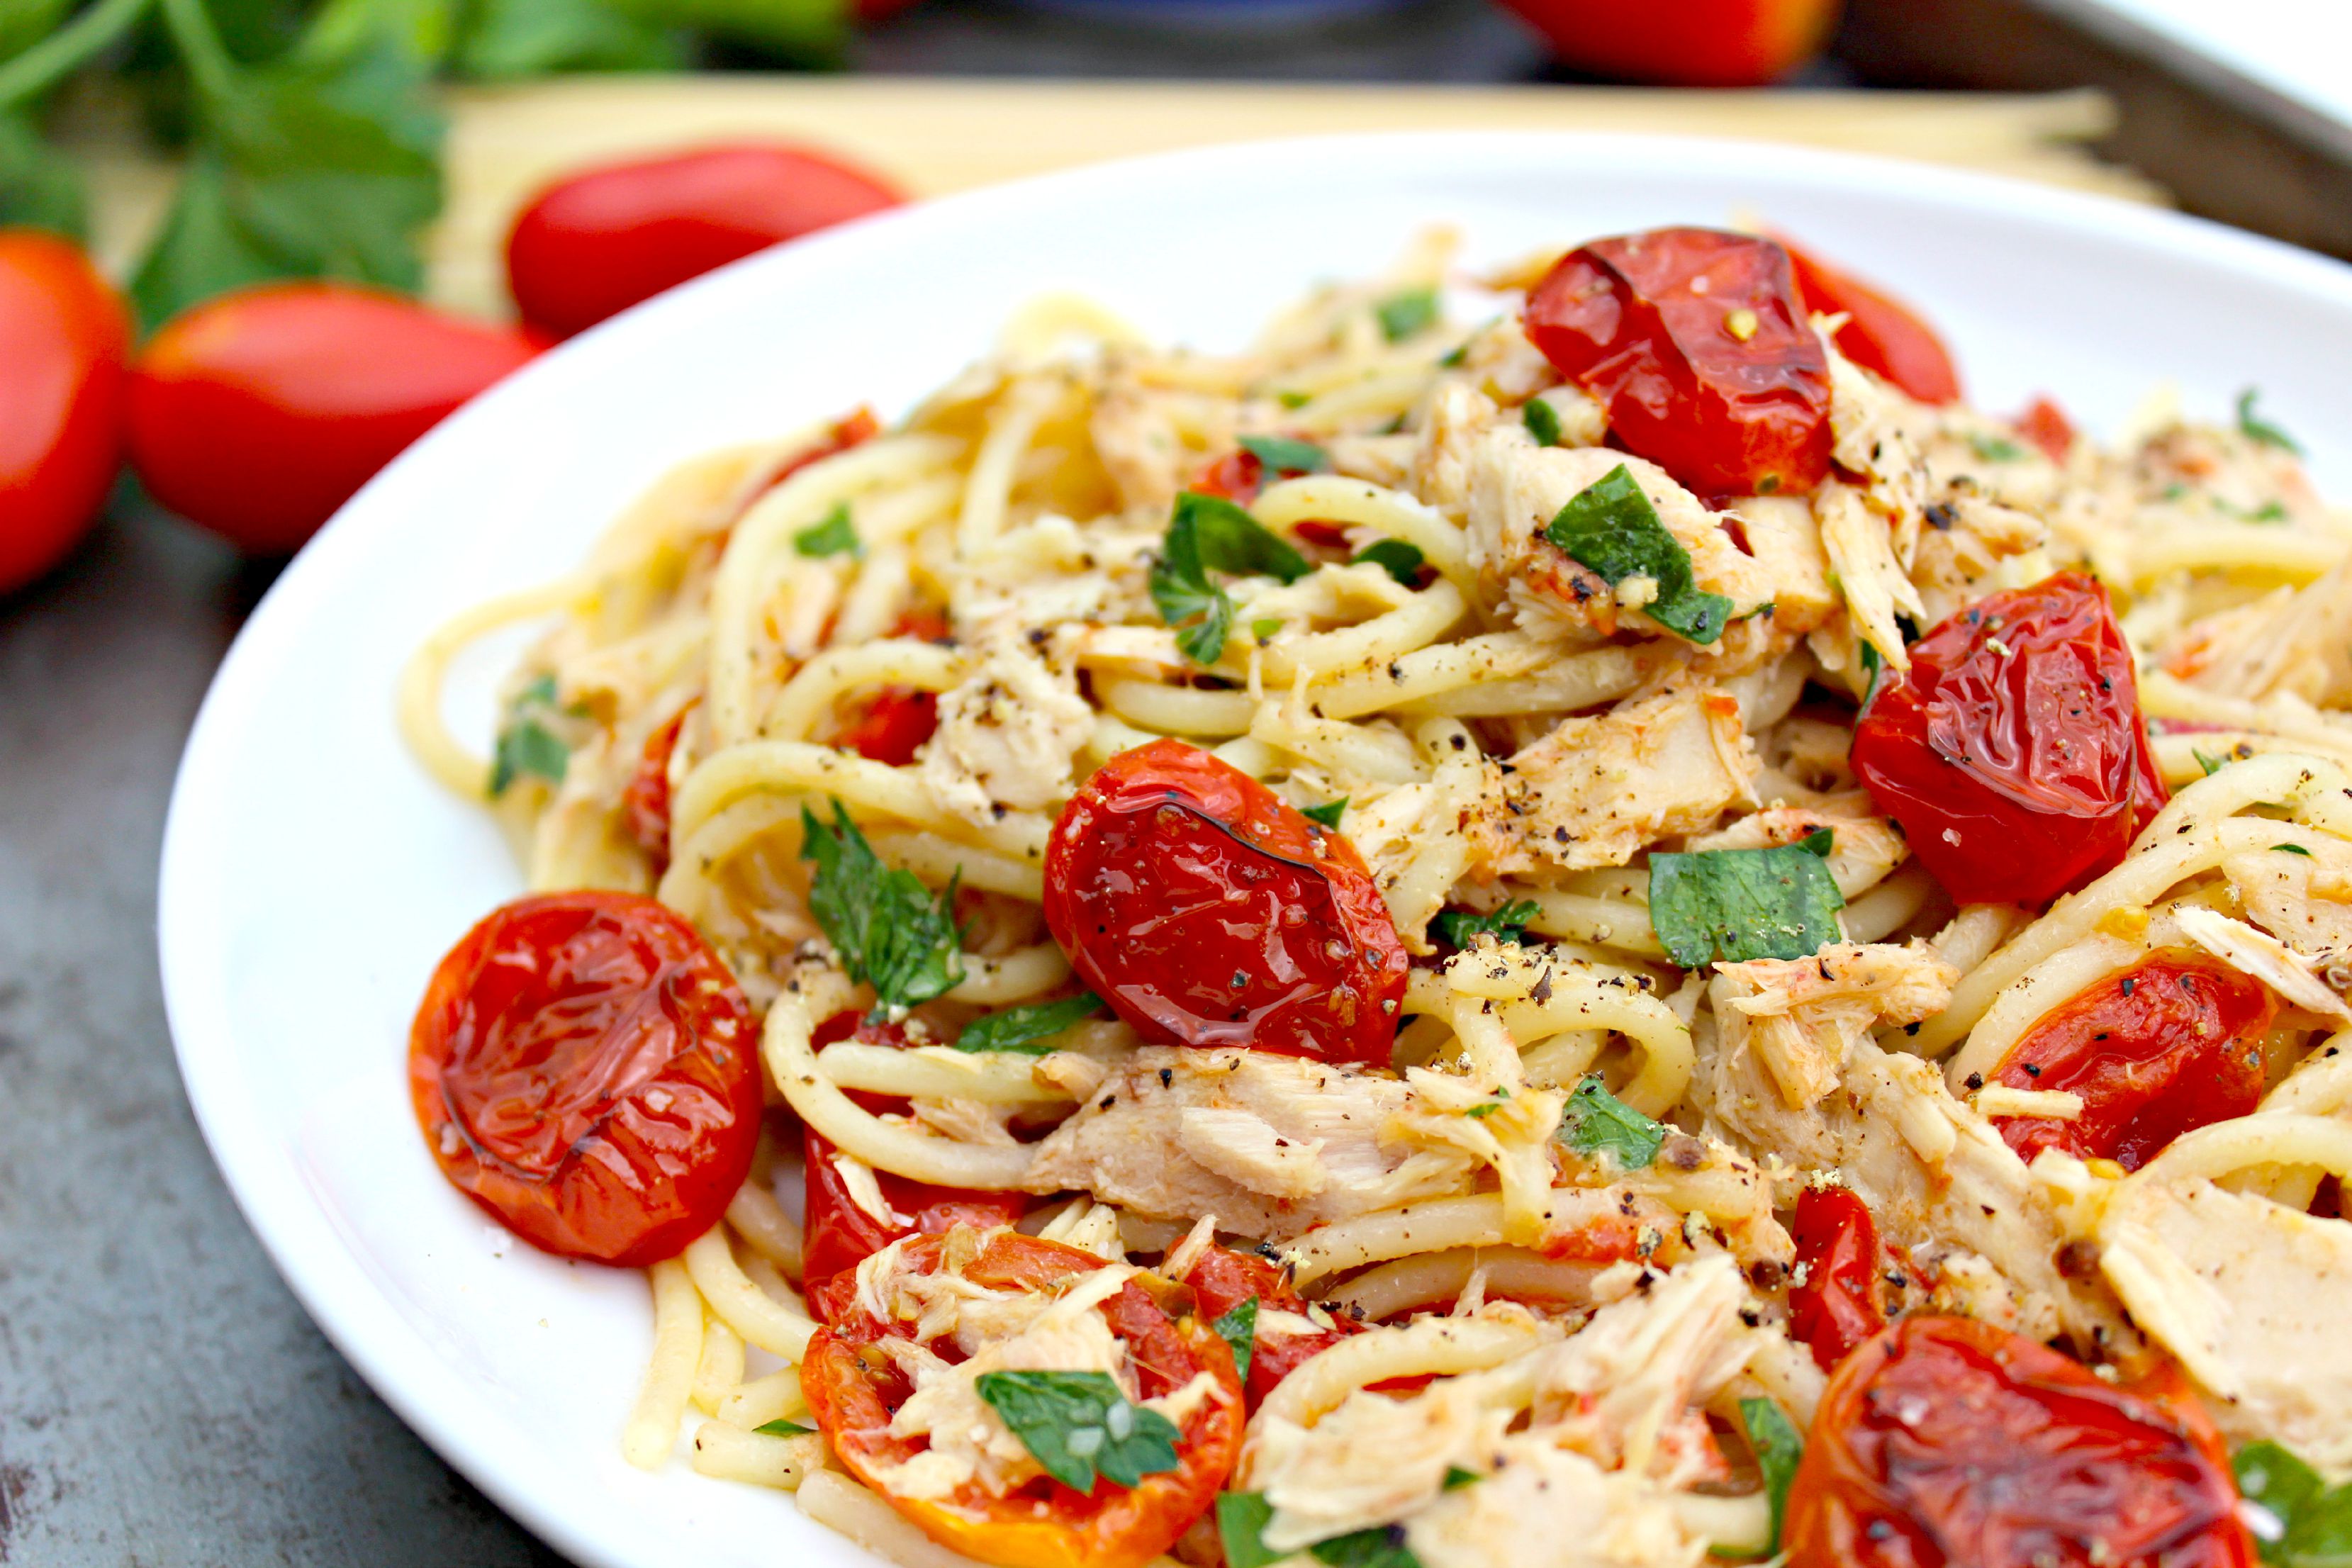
pixel 313 874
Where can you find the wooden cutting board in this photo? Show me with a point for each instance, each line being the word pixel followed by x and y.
pixel 935 136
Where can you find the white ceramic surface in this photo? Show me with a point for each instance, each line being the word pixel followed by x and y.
pixel 313 874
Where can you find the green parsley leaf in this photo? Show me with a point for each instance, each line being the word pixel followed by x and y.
pixel 1995 448
pixel 890 930
pixel 1328 814
pixel 1284 454
pixel 1457 928
pixel 1596 1121
pixel 2291 850
pixel 1486 1107
pixel 1265 627
pixel 1294 399
pixel 1456 357
pixel 833 534
pixel 2268 511
pixel 1456 1478
pixel 1778 1449
pixel 1398 558
pixel 781 1428
pixel 525 744
pixel 2314 1521
pixel 2260 430
pixel 1542 421
pixel 1076 1424
pixel 1403 315
pixel 2269 1475
pixel 1031 1028
pixel 1238 1329
pixel 1382 1546
pixel 506 39
pixel 1241 1519
pixel 2211 764
pixel 1738 904
pixel 1209 532
pixel 1611 527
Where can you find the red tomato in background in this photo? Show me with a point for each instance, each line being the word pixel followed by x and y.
pixel 838 1234
pixel 646 800
pixel 64 336
pixel 256 414
pixel 2045 425
pixel 1044 1524
pixel 1882 335
pixel 593 244
pixel 891 725
pixel 585 1068
pixel 1689 42
pixel 1208 912
pixel 2163 1049
pixel 1696 342
pixel 1835 1304
pixel 1224 1278
pixel 2013 753
pixel 1949 1441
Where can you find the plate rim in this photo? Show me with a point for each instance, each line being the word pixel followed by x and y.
pixel 327 1275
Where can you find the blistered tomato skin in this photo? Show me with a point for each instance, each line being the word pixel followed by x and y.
pixel 1222 1278
pixel 1835 1304
pixel 1947 1441
pixel 2166 1047
pixel 1208 912
pixel 2013 754
pixel 1698 344
pixel 584 1068
pixel 1882 335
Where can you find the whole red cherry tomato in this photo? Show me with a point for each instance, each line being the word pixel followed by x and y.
pixel 584 1068
pixel 1835 1303
pixel 1222 1279
pixel 2168 1045
pixel 1208 912
pixel 1698 344
pixel 1882 335
pixel 1692 43
pixel 593 244
pixel 1949 1441
pixel 855 1394
pixel 2013 753
pixel 258 413
pixel 2045 425
pixel 63 339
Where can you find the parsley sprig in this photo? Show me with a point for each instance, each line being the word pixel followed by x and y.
pixel 1209 533
pixel 891 931
pixel 1610 527
pixel 2314 1520
pixel 1459 928
pixel 1078 1425
pixel 1777 1449
pixel 2260 431
pixel 527 743
pixel 1595 1122
pixel 834 534
pixel 1738 904
pixel 1241 1519
pixel 1237 1326
pixel 1030 1030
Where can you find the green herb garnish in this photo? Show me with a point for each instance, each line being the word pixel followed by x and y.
pixel 1403 315
pixel 1458 928
pixel 1611 527
pixel 2291 850
pixel 1328 814
pixel 525 744
pixel 833 534
pixel 1738 904
pixel 1241 1519
pixel 1209 533
pixel 2314 1520
pixel 1238 1327
pixel 1394 556
pixel 1542 421
pixel 1266 626
pixel 784 1430
pixel 1078 1423
pixel 2260 430
pixel 2211 764
pixel 1285 455
pixel 890 930
pixel 1030 1030
pixel 1778 1449
pixel 1456 1478
pixel 1595 1122
pixel 1995 448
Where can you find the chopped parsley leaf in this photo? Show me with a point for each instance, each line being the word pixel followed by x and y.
pixel 1595 1122
pixel 1241 1519
pixel 1778 1449
pixel 1395 557
pixel 1283 455
pixel 525 744
pixel 2261 431
pixel 833 534
pixel 1328 814
pixel 1210 534
pixel 1542 421
pixel 1238 1329
pixel 1403 315
pixel 784 1430
pixel 1995 448
pixel 1611 527
pixel 890 930
pixel 1078 1423
pixel 1030 1028
pixel 1458 928
pixel 2291 849
pixel 1738 904
pixel 2211 764
pixel 1456 1478
pixel 1265 627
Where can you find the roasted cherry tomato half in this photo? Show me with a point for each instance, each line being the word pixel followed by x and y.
pixel 1882 335
pixel 1692 43
pixel 1222 1279
pixel 839 1234
pixel 584 1068
pixel 1835 1303
pixel 593 244
pixel 1208 912
pixel 1698 344
pixel 645 802
pixel 2013 753
pixel 1949 1441
pixel 63 340
pixel 1043 1524
pixel 256 414
pixel 891 725
pixel 2163 1049
pixel 2045 425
